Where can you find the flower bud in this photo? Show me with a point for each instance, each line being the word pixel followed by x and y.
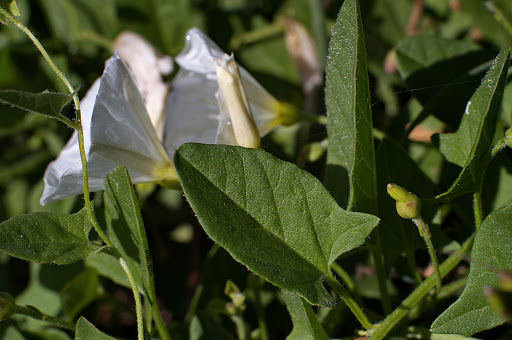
pixel 408 205
pixel 7 306
pixel 232 96
pixel 508 136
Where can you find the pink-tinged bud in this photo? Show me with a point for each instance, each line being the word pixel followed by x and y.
pixel 303 51
pixel 408 205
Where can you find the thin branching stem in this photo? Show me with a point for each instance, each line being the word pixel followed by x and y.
pixel 77 126
pixel 383 328
pixel 136 296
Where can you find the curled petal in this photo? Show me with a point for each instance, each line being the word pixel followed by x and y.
pixel 194 97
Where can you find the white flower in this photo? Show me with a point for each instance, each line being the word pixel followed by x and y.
pixel 194 107
pixel 117 131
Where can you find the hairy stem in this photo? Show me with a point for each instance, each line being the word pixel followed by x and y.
pixel 136 296
pixel 382 329
pixel 36 314
pixel 350 302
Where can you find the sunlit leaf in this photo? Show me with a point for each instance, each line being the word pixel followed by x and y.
pixel 350 173
pixel 271 216
pixel 471 313
pixel 470 146
pixel 45 237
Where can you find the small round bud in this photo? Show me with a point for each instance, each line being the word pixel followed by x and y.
pixel 408 205
pixel 508 136
pixel 7 306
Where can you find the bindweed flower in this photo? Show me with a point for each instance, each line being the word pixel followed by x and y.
pixel 195 107
pixel 117 131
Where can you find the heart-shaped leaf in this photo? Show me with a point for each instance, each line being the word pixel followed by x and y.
pixel 273 217
pixel 45 237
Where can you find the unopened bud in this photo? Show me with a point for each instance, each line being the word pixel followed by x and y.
pixel 508 136
pixel 7 306
pixel 408 205
pixel 232 95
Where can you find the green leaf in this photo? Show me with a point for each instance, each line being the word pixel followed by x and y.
pixel 86 331
pixel 488 24
pixel 108 266
pixel 12 6
pixel 349 127
pixel 271 216
pixel 420 51
pixel 491 253
pixel 45 237
pixel 125 227
pixel 49 104
pixel 79 292
pixel 73 21
pixel 470 146
pixel 305 322
pixel 442 73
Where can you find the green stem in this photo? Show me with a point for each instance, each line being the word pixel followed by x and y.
pixel 159 322
pixel 136 296
pixel 350 302
pixel 427 236
pixel 344 276
pixel 499 15
pixel 262 324
pixel 411 260
pixel 376 252
pixel 36 314
pixel 446 291
pixel 500 145
pixel 383 328
pixel 478 210
pixel 241 330
pixel 76 125
pixel 308 117
pixel 256 35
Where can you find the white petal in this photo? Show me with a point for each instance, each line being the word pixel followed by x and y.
pixel 120 122
pixel 198 59
pixel 147 66
pixel 118 133
pixel 63 176
pixel 193 113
